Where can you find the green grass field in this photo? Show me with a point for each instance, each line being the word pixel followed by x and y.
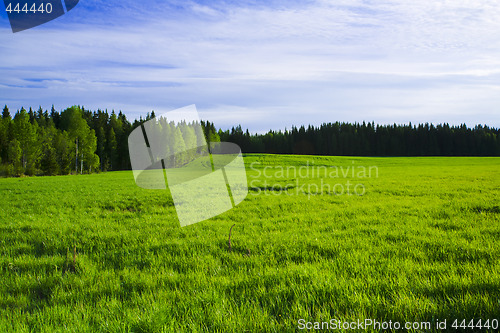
pixel 96 253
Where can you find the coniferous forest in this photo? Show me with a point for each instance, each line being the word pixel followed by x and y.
pixel 77 140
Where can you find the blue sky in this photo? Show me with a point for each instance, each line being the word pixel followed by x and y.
pixel 264 64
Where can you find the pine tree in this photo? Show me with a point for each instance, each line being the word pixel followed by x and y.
pixel 201 141
pixel 87 153
pixel 14 154
pixel 101 147
pixel 6 113
pixel 111 148
pixel 64 147
pixel 189 137
pixel 48 163
pixel 26 133
pixel 119 154
pixel 42 122
pixel 212 135
pixel 4 142
pixel 178 147
pixel 32 115
pixel 164 136
pixel 55 116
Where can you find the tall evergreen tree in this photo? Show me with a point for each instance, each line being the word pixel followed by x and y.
pixel 26 133
pixel 14 159
pixel 49 164
pixel 112 149
pixel 4 141
pixel 6 113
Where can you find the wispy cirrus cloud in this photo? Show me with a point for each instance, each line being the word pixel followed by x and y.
pixel 264 64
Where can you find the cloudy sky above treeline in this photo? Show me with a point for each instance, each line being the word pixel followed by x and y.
pixel 264 64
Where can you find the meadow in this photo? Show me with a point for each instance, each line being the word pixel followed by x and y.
pixel 414 240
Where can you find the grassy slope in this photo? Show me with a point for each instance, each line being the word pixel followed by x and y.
pixel 421 244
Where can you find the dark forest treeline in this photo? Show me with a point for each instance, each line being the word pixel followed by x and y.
pixel 77 140
pixel 368 139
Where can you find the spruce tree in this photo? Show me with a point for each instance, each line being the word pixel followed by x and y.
pixel 111 146
pixel 6 113
pixel 14 158
pixel 48 163
pixel 26 133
